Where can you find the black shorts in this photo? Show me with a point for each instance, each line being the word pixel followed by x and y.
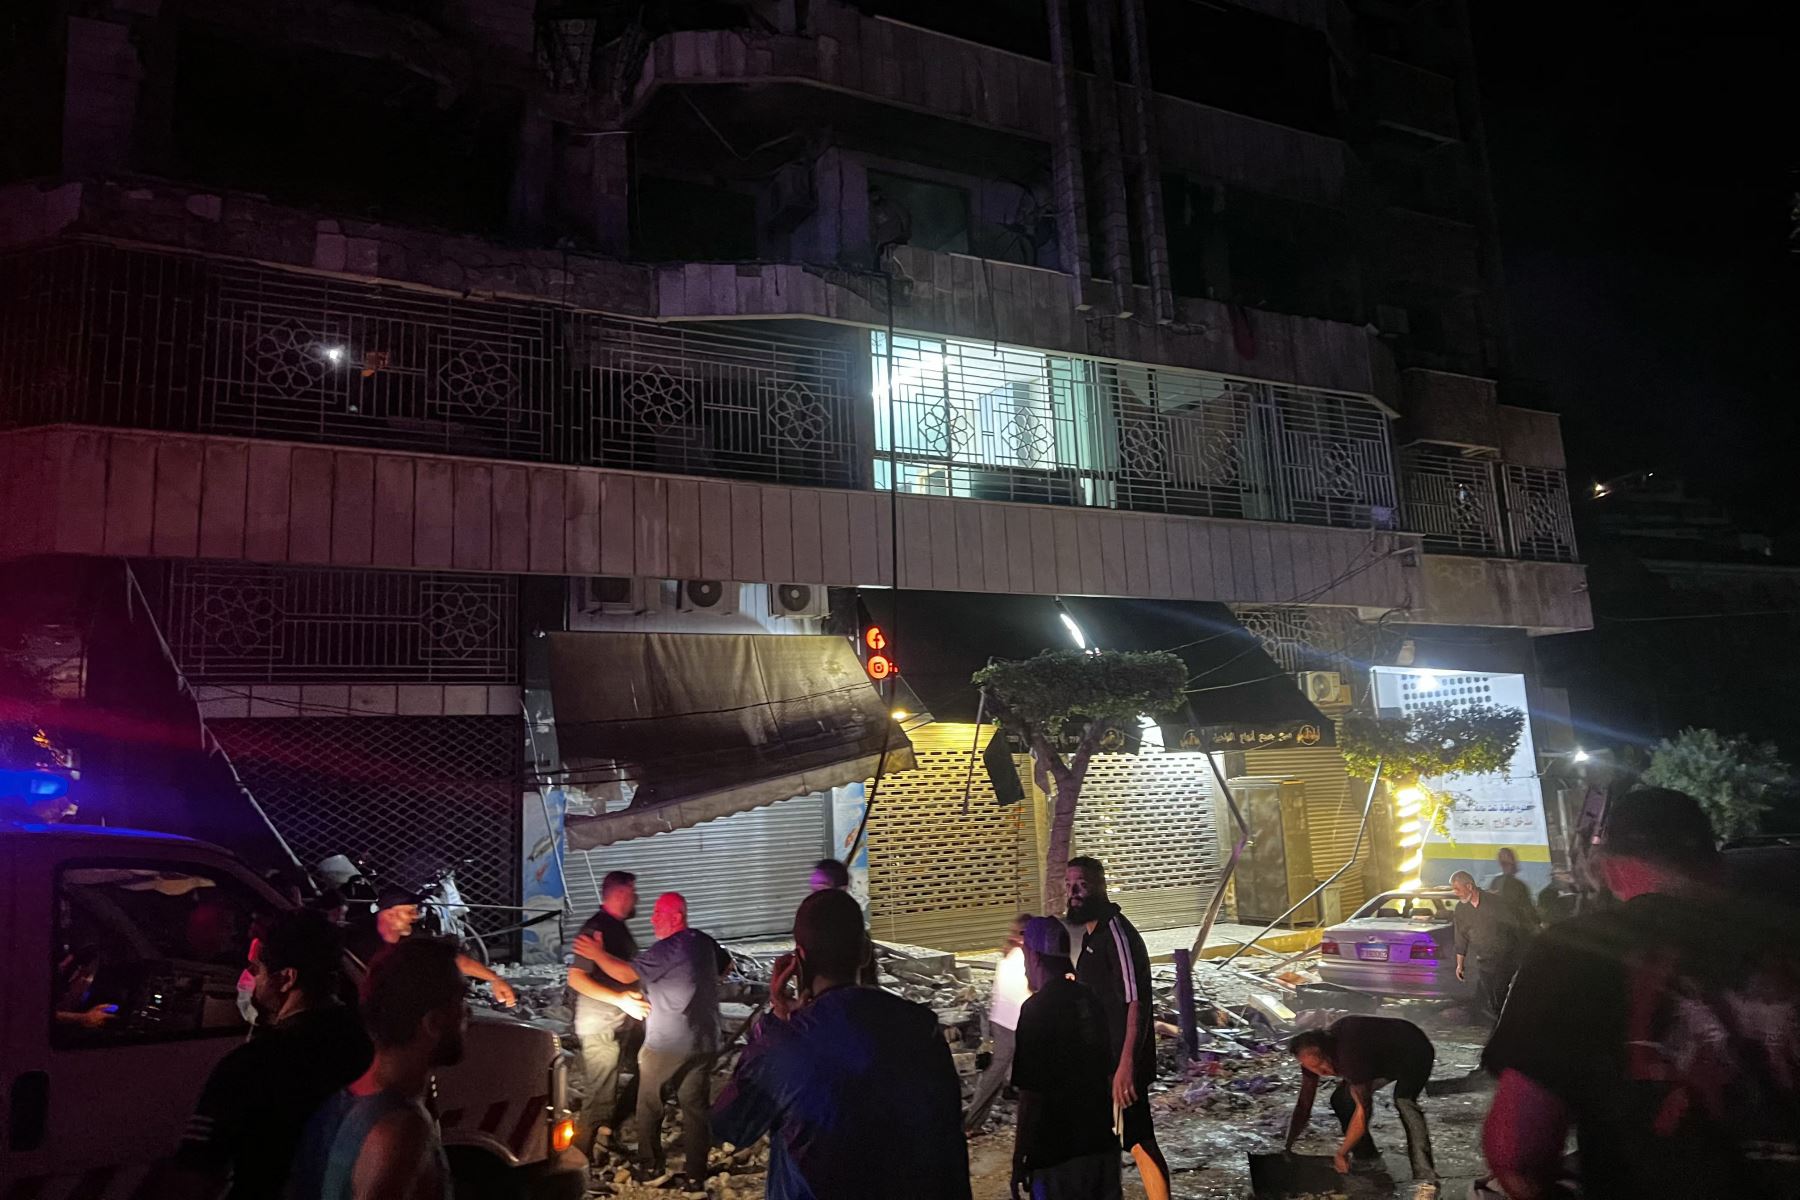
pixel 1138 1128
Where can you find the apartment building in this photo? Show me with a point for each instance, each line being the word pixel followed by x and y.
pixel 431 376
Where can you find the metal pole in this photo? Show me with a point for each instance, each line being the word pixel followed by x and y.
pixel 1323 884
pixel 974 749
pixel 1237 850
pixel 1184 1002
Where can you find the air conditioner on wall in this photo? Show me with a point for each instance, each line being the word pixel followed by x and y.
pixel 611 595
pixel 796 600
pixel 716 596
pixel 1322 687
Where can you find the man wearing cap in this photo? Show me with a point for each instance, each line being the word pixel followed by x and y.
pixel 396 912
pixel 1065 1147
pixel 1665 1031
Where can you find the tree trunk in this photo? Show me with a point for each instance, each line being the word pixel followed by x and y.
pixel 1068 780
pixel 1056 857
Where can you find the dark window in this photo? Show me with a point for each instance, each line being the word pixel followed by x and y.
pixel 931 216
pixel 147 950
pixel 1242 61
pixel 678 219
pixel 339 131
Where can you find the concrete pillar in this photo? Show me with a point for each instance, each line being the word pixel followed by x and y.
pixel 593 188
pixel 530 191
pixel 1115 214
pixel 1068 180
pixel 100 98
pixel 1151 229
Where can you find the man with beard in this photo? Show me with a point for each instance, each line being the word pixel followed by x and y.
pixel 247 1125
pixel 1114 963
pixel 376 1140
pixel 609 1010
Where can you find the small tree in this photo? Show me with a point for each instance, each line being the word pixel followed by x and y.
pixel 1431 743
pixel 1735 779
pixel 1044 699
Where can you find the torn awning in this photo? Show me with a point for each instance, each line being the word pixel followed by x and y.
pixel 1239 698
pixel 705 725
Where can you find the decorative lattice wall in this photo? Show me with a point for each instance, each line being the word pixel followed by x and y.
pixel 406 794
pixel 938 877
pixel 1150 818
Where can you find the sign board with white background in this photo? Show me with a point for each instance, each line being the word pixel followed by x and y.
pixel 1495 809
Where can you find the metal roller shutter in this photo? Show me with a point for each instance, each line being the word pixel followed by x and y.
pixel 1151 819
pixel 743 875
pixel 938 876
pixel 1333 810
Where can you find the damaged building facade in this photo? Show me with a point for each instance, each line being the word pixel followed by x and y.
pixel 423 382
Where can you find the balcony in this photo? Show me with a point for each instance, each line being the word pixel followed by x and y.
pixel 97 335
pixel 1464 504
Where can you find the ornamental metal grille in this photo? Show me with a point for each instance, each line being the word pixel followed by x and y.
pixel 245 623
pixel 1537 513
pixel 1452 499
pixel 407 795
pixel 1000 423
pixel 109 336
pixel 1304 638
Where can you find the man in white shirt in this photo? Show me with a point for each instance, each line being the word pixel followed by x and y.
pixel 1010 991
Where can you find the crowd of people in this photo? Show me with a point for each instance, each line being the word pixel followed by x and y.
pixel 1664 1036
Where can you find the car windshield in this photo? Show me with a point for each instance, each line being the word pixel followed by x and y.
pixel 1402 906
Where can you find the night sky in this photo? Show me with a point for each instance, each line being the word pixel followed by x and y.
pixel 1645 161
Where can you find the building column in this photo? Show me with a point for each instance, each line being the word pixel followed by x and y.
pixel 1115 218
pixel 1068 182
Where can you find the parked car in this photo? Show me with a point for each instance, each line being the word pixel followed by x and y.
pixel 123 952
pixel 1398 944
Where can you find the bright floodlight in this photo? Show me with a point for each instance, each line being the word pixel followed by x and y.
pixel 1581 756
pixel 1074 631
pixel 1428 681
pixel 334 354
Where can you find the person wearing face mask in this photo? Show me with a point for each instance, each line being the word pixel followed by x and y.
pixel 855 1089
pixel 376 1140
pixel 247 1125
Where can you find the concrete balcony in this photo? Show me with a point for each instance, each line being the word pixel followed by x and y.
pixel 959 296
pixel 1413 100
pixel 86 491
pixel 759 87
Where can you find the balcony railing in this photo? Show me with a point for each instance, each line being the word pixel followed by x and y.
pixel 102 335
pixel 97 334
pixel 999 423
pixel 1479 506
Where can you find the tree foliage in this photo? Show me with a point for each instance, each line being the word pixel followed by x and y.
pixel 1735 779
pixel 1063 687
pixel 1430 744
pixel 1040 698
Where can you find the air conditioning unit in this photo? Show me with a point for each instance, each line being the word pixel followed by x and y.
pixel 716 596
pixel 796 600
pixel 611 595
pixel 1322 687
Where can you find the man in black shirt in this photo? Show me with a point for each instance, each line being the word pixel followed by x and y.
pixel 1065 1148
pixel 1665 1031
pixel 1365 1054
pixel 396 915
pixel 1487 943
pixel 1114 963
pixel 609 1008
pixel 1517 895
pixel 255 1106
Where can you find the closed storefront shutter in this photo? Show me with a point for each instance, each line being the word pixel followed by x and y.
pixel 938 876
pixel 1334 805
pixel 1150 818
pixel 743 875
